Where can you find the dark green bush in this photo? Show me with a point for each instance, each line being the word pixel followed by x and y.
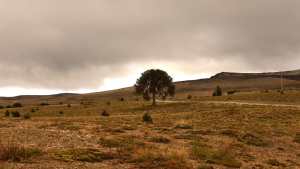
pixel 147 118
pixel 7 113
pixel 15 114
pixel 104 113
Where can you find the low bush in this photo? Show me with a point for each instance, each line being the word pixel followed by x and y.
pixel 44 104
pixel 147 118
pixel 7 113
pixel 189 97
pixel 105 113
pixel 16 105
pixel 2 107
pixel 15 114
pixel 160 139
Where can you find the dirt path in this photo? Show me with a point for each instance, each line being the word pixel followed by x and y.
pixel 233 102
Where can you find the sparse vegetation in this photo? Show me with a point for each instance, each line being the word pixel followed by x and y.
pixel 16 152
pixel 83 155
pixel 222 157
pixel 198 134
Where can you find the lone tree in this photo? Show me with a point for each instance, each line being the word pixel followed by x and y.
pixel 155 82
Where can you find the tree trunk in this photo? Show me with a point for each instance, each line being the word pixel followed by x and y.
pixel 153 99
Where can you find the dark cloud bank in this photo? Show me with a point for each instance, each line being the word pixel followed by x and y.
pixel 70 44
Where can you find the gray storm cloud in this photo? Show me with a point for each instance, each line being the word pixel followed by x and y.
pixel 70 44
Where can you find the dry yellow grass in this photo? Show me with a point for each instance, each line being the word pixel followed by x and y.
pixel 188 134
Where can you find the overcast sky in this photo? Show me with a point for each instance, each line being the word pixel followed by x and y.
pixel 50 46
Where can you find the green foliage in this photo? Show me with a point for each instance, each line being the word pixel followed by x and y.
pixel 155 82
pixel 15 114
pixel 217 91
pixel 147 118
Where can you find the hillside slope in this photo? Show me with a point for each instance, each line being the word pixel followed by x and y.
pixel 201 87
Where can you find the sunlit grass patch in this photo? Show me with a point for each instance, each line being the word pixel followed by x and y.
pixel 201 151
pixel 17 152
pixel 84 155
pixel 153 158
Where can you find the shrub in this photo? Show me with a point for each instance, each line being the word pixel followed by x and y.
pixel 231 92
pixel 69 105
pixel 61 112
pixel 15 114
pixel 27 116
pixel 108 103
pixel 8 106
pixel 104 113
pixel 160 139
pixel 189 97
pixel 32 110
pixel 217 91
pixel 15 105
pixel 7 113
pixel 1 107
pixel 61 103
pixel 147 118
pixel 44 104
pixel 122 99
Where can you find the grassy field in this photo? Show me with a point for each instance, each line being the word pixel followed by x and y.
pixel 197 133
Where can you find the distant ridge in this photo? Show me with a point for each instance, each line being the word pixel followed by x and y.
pixel 291 75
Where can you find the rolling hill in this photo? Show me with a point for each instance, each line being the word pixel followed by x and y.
pixel 201 87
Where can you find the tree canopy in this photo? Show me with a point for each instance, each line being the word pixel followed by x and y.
pixel 153 83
